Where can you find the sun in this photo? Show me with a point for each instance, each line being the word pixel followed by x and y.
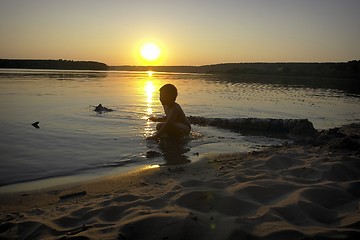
pixel 150 52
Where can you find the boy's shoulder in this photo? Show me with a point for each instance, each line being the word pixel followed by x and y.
pixel 176 105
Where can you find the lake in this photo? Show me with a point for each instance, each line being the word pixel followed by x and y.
pixel 73 140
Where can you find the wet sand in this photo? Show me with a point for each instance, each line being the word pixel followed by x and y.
pixel 307 190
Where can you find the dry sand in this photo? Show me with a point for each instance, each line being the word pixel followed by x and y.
pixel 299 191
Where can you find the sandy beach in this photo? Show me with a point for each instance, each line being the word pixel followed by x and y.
pixel 305 190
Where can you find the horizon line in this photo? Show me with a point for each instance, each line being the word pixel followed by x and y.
pixel 182 65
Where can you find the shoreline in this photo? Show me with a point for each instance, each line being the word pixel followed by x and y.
pixel 280 129
pixel 67 180
pixel 294 191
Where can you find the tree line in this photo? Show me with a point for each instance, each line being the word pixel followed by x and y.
pixel 349 69
pixel 52 64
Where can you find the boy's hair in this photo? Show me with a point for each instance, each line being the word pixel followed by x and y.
pixel 170 90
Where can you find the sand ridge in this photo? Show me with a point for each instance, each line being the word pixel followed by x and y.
pixel 298 191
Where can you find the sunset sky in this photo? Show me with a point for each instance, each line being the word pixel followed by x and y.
pixel 187 32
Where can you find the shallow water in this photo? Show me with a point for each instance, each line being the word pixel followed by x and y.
pixel 73 139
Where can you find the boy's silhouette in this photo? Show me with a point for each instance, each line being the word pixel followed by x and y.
pixel 175 124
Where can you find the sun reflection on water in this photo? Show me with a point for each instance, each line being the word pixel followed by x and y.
pixel 149 89
pixel 150 167
pixel 150 73
pixel 149 92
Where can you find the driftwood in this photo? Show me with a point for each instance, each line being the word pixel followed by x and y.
pixel 294 127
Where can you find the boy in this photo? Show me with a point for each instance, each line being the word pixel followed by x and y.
pixel 175 123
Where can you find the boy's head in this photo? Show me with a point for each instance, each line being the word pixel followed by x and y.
pixel 168 94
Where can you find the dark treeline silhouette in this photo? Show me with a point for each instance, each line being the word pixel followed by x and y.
pixel 343 70
pixel 349 69
pixel 52 64
pixel 334 70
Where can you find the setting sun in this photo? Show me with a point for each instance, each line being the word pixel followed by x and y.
pixel 150 52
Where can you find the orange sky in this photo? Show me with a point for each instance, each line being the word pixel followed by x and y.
pixel 188 32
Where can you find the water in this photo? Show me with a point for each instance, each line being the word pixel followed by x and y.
pixel 74 140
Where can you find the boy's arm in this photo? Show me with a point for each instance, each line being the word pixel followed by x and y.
pixel 157 119
pixel 169 120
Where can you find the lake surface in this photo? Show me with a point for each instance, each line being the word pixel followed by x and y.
pixel 73 139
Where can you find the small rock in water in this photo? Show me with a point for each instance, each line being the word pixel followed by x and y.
pixel 36 125
pixel 100 109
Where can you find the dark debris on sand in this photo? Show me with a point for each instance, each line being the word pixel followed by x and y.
pixel 346 138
